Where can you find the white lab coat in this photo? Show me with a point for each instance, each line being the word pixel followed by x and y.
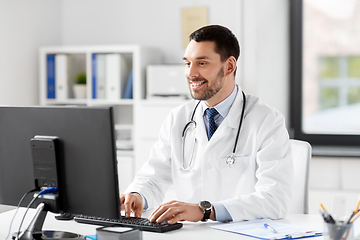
pixel 259 183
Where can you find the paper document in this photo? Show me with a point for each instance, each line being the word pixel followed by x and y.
pixel 257 229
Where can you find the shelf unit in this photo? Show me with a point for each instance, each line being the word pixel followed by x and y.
pixel 138 58
pixel 80 60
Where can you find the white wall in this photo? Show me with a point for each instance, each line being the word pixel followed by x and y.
pixel 24 27
pixel 265 55
pixel 261 27
pixel 155 23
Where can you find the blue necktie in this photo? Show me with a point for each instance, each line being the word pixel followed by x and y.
pixel 211 113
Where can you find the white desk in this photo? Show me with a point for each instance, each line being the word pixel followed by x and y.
pixel 188 231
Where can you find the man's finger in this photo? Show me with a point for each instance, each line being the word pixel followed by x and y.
pixel 176 218
pixel 166 212
pixel 122 199
pixel 157 213
pixel 138 213
pixel 167 215
pixel 127 206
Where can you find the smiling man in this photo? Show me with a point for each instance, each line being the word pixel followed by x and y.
pixel 226 154
pixel 210 75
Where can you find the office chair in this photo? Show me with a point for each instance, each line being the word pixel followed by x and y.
pixel 301 151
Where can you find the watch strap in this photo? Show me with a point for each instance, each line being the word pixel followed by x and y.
pixel 206 215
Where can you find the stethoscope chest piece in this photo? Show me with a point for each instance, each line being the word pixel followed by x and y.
pixel 231 160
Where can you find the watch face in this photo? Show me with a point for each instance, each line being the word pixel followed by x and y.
pixel 205 205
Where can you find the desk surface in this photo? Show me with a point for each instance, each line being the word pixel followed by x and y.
pixel 188 231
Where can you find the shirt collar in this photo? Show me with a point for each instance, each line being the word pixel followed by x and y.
pixel 224 106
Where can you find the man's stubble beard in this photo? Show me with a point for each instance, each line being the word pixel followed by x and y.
pixel 211 90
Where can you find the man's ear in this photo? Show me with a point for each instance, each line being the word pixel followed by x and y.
pixel 230 65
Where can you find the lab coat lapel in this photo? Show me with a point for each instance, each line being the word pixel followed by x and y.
pixel 233 118
pixel 201 134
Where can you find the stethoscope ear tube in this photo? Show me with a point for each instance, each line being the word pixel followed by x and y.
pixel 191 120
pixel 232 158
pixel 240 123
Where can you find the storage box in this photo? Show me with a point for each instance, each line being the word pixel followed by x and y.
pixel 118 233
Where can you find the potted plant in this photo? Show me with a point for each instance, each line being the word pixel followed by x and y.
pixel 80 86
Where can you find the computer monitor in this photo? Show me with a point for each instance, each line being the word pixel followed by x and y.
pixel 87 155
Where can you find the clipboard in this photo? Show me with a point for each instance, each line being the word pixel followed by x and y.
pixel 256 229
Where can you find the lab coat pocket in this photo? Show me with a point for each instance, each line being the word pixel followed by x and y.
pixel 235 177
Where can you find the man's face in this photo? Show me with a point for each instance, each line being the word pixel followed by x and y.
pixel 204 72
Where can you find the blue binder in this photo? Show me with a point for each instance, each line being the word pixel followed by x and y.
pixel 93 69
pixel 50 74
pixel 128 94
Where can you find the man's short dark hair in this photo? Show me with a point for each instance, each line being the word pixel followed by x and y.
pixel 226 44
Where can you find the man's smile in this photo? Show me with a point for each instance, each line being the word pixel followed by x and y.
pixel 196 85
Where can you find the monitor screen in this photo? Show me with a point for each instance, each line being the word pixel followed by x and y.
pixel 88 151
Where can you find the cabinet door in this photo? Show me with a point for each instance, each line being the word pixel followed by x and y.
pixel 125 171
pixel 149 119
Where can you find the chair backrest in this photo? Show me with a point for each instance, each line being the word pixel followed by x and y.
pixel 301 151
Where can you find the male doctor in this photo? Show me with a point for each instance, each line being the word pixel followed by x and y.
pixel 215 173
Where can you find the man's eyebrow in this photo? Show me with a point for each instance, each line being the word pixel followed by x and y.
pixel 198 58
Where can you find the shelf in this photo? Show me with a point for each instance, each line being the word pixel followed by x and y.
pixel 166 101
pixel 124 153
pixel 124 145
pixel 66 102
pixel 119 127
pixel 91 49
pixel 106 102
pixel 98 102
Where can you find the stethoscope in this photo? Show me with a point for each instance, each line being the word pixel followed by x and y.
pixel 230 160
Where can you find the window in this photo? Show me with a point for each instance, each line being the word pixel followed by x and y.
pixel 341 74
pixel 325 71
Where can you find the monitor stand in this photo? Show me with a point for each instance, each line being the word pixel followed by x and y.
pixel 34 230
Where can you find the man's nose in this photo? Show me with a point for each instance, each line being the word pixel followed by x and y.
pixel 192 71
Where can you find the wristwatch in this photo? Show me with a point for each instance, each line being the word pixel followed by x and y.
pixel 207 208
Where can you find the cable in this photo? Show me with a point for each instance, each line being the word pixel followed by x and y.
pixel 27 209
pixel 48 190
pixel 45 191
pixel 18 206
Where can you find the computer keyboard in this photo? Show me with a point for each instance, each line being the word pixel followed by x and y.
pixel 142 224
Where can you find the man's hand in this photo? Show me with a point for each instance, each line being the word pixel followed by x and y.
pixel 175 211
pixel 131 202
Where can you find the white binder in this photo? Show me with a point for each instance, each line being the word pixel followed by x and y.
pixel 61 76
pixel 116 72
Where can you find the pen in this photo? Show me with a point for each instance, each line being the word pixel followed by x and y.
pixel 327 217
pixel 354 217
pixel 351 216
pixel 270 228
pixel 357 207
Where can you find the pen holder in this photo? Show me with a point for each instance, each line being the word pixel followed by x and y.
pixel 338 232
